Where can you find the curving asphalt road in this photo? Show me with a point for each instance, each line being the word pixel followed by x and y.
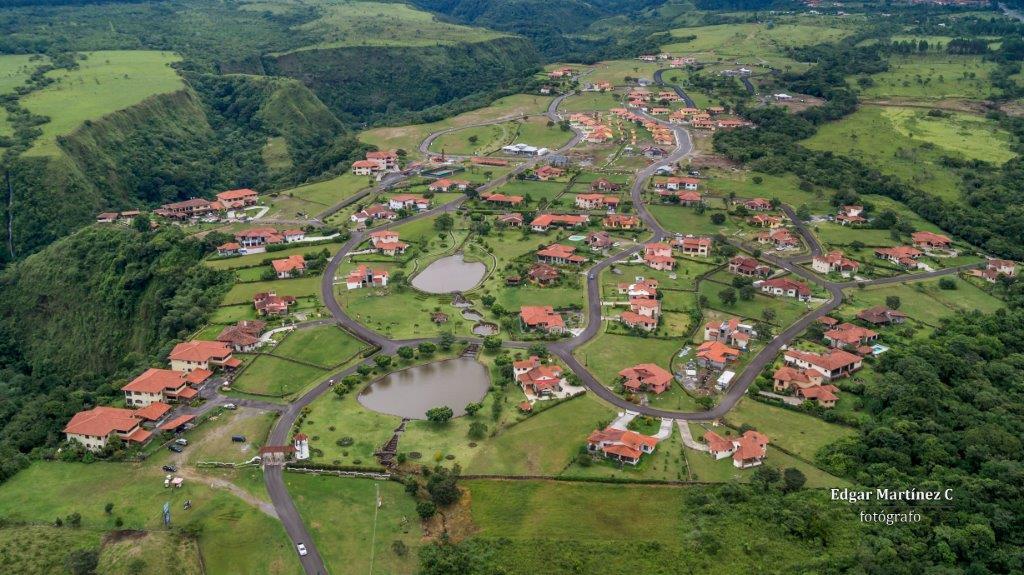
pixel 675 87
pixel 280 434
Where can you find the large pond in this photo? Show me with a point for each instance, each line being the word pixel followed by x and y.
pixel 411 392
pixel 449 274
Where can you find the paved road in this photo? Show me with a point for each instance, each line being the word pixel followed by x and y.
pixel 675 87
pixel 313 563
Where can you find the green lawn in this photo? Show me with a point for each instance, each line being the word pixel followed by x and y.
pixel 924 301
pixel 785 188
pixel 327 346
pixel 932 77
pixel 686 220
pixel 315 197
pixel 530 447
pixel 258 259
pixel 536 132
pixel 533 191
pixel 298 287
pixel 370 531
pixel 802 434
pixel 751 43
pixel 332 419
pixel 615 71
pixel 212 440
pixel 474 140
pixel 14 70
pixel 104 82
pixel 234 537
pixel 608 354
pixel 787 310
pixel 591 101
pixel 276 377
pixel 703 467
pixel 666 463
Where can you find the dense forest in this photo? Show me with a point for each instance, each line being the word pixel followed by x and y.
pixel 86 313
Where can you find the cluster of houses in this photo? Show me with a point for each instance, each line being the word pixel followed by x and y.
pixel 908 256
pixel 537 379
pixel 644 306
pixel 149 396
pixel 376 163
pixel 994 268
pixel 196 208
pixel 711 118
pixel 255 240
pixel 747 450
pixel 661 135
pixel 594 131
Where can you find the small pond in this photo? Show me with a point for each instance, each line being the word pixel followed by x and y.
pixel 449 274
pixel 472 315
pixel 411 392
pixel 484 329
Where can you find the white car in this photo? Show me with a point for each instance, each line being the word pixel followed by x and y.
pixel 181 441
pixel 230 406
pixel 302 549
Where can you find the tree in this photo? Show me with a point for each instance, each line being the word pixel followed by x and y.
pixel 538 349
pixel 472 408
pixel 765 476
pixel 767 314
pixel 447 340
pixel 727 296
pixel 441 414
pixel 477 430
pixel 427 348
pixel 383 361
pixel 803 213
pixel 444 223
pixel 488 300
pixel 108 508
pixel 492 343
pixel 406 352
pixel 718 218
pixel 793 479
pixel 892 301
pixel 82 561
pixel 426 509
pixel 442 486
pixel 141 223
pixel 947 284
pixel 746 292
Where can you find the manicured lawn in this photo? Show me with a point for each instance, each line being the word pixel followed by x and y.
pixel 376 515
pixel 785 188
pixel 522 450
pixel 326 346
pixel 103 83
pixel 533 191
pixel 704 467
pixel 329 192
pixel 230 314
pixel 536 132
pixel 401 313
pixel 366 430
pixel 590 101
pixel 924 301
pixel 666 463
pixel 686 220
pixel 802 434
pixel 474 140
pixel 212 440
pixel 752 43
pixel 257 259
pixel 234 537
pixel 615 71
pixel 787 310
pixel 276 377
pixel 298 287
pixel 608 354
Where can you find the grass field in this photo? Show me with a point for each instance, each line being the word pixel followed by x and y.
pixel 370 531
pixel 298 287
pixel 785 187
pixel 234 536
pixel 105 82
pixel 751 43
pixel 666 463
pixel 474 140
pixel 14 70
pixel 326 346
pixel 787 310
pixel 906 143
pixel 332 419
pixel 276 377
pixel 687 221
pixel 212 440
pixel 924 301
pixel 315 197
pixel 933 77
pixel 537 526
pixel 802 434
pixel 608 354
pixel 257 259
pixel 615 71
pixel 590 101
pixel 409 137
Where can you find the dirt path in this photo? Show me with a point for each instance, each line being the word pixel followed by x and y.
pixel 217 483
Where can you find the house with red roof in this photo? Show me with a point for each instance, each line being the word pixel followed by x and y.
pixel 513 220
pixel 621 445
pixel 747 450
pixel 543 222
pixel 271 304
pixel 694 246
pixel 162 386
pixel 675 184
pixel 634 320
pixel 543 274
pixel 233 199
pixel 995 268
pixel 541 318
pixel 244 336
pixel 646 377
pixel 413 201
pixel 715 354
pixel 365 276
pixel 388 159
pixel 503 199
pixel 785 287
pixel 648 307
pixel 780 238
pixel 202 354
pixel 929 240
pixel 545 173
pixel 374 212
pixel 850 336
pixel 95 427
pixel 658 255
pixel 881 315
pixel 366 167
pixel 387 242
pixel 447 185
pixel 824 395
pixel 621 222
pixel 904 256
pixel 596 201
pixel 641 288
pixel 764 221
pixel 536 378
pixel 604 185
pixel 256 237
pixel 758 205
pixel 560 254
pixel 788 378
pixel 187 209
pixel 851 215
pixel 833 364
pixel 749 267
pixel 291 266
pixel 730 332
pixel 229 249
pixel 834 262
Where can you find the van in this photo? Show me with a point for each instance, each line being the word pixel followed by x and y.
pixel 238 438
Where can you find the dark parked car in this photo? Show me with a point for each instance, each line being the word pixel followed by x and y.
pixel 238 438
pixel 170 468
pixel 175 448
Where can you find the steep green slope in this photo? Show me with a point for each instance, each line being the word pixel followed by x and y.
pixel 368 83
pixel 93 306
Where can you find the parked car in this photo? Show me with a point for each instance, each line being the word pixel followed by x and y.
pixel 230 406
pixel 238 438
pixel 175 448
pixel 302 549
pixel 169 468
pixel 181 441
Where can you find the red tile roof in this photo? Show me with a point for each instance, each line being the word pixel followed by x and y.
pixel 200 350
pixel 102 421
pixel 155 380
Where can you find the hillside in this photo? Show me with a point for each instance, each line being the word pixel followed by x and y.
pixel 94 305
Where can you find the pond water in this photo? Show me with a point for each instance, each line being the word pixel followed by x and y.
pixel 472 315
pixel 485 329
pixel 411 392
pixel 449 274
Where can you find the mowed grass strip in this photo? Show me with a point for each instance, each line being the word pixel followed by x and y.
pixel 799 433
pixel 326 346
pixel 103 83
pixel 298 287
pixel 276 377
